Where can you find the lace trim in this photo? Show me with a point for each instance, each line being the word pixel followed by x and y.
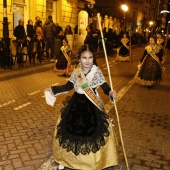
pixel 82 144
pixel 95 79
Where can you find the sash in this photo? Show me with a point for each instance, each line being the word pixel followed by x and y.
pixel 160 42
pixel 64 51
pixel 84 84
pixel 124 42
pixel 151 52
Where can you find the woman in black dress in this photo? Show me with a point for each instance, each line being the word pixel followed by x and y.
pixel 150 68
pixel 84 137
pixel 63 63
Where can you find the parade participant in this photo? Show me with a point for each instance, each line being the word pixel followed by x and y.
pixel 91 37
pixel 150 66
pixel 123 53
pixel 161 43
pixel 84 137
pixel 63 63
pixel 160 40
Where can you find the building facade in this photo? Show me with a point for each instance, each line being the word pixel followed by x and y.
pixel 139 14
pixel 65 12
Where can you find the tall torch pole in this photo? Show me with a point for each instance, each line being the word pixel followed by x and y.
pixel 6 40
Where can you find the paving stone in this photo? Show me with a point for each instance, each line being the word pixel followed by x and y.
pixel 17 163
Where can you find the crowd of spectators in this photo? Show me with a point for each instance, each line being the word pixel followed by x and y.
pixel 49 34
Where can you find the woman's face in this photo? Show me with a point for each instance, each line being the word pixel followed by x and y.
pixel 152 41
pixel 64 42
pixel 86 59
pixel 31 22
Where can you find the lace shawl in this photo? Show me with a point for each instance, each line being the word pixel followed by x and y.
pixel 94 77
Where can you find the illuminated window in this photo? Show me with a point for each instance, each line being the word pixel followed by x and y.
pixel 18 11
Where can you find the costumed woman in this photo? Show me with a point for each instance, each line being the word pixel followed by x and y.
pixel 150 69
pixel 63 63
pixel 160 42
pixel 84 137
pixel 123 52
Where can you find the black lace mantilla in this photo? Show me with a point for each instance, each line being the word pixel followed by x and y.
pixel 83 127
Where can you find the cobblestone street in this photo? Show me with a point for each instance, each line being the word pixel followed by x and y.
pixel 27 122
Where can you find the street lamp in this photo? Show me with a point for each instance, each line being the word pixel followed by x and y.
pixel 125 9
pixel 6 40
pixel 150 25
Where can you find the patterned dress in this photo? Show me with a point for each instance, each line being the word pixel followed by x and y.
pixel 151 70
pixel 123 53
pixel 84 137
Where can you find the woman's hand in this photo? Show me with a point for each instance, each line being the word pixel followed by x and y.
pixel 112 94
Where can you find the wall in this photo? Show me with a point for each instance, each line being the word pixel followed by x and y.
pixel 65 12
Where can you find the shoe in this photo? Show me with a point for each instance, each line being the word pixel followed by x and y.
pixel 64 74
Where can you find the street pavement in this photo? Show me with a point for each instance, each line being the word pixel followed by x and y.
pixel 26 130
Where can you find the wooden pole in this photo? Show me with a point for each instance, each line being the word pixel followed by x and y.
pixel 110 79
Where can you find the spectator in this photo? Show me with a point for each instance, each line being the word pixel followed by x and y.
pixel 109 41
pixel 91 37
pixel 40 39
pixel 30 29
pixel 36 19
pixel 31 37
pixel 39 31
pixel 20 34
pixel 76 29
pixel 49 34
pixel 58 28
pixel 68 30
pixel 19 31
pixel 58 43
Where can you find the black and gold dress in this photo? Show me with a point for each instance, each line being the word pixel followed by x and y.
pixel 123 53
pixel 84 138
pixel 150 71
pixel 63 63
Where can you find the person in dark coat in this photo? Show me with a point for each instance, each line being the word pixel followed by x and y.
pixel 58 28
pixel 49 34
pixel 31 38
pixel 19 31
pixel 91 37
pixel 20 34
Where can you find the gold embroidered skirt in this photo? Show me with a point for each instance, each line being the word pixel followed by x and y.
pixel 107 155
